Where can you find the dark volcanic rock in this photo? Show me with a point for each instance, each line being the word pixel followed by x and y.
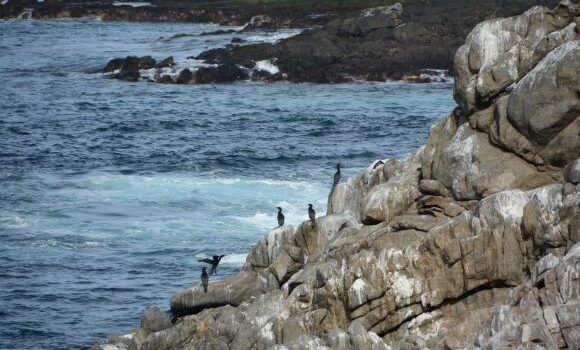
pixel 185 77
pixel 165 79
pixel 166 62
pixel 377 44
pixel 219 32
pixel 128 67
pixel 221 74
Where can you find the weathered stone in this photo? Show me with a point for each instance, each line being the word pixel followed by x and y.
pixel 154 320
pixel 494 78
pixel 416 222
pixel 545 102
pixel 284 267
pixel 430 204
pixel 572 172
pixel 472 168
pixel 338 339
pixel 433 187
pixel 439 137
pixel 231 291
pixel 385 201
pixel 499 52
pixel 503 134
pixel 483 119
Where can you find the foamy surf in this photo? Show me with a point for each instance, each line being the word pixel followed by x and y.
pixel 197 211
pixel 272 37
pixel 133 4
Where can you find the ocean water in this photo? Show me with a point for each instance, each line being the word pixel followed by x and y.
pixel 110 191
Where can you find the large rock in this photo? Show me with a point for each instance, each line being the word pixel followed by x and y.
pixel 499 52
pixel 128 68
pixel 545 102
pixel 232 291
pixel 225 73
pixel 385 201
pixel 503 134
pixel 154 320
pixel 386 189
pixel 572 172
pixel 472 168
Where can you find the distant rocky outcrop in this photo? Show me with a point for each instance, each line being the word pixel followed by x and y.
pixel 389 42
pixel 279 14
pixel 412 42
pixel 473 242
pixel 131 69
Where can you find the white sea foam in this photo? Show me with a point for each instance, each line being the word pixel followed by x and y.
pixel 272 37
pixel 132 3
pixel 234 259
pixel 260 220
pixel 174 71
pixel 180 210
pixel 14 221
pixel 268 66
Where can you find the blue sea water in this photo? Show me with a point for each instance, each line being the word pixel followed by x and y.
pixel 110 191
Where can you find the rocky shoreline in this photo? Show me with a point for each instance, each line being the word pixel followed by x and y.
pixel 473 242
pixel 395 42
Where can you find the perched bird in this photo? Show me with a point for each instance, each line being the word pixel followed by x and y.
pixel 214 263
pixel 280 217
pixel 312 215
pixel 204 278
pixel 336 175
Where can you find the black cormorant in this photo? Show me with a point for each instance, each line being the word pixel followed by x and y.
pixel 336 175
pixel 204 278
pixel 214 262
pixel 311 215
pixel 280 217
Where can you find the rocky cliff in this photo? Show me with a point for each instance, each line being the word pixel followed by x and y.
pixel 473 242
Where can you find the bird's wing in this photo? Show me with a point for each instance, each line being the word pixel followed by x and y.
pixel 206 260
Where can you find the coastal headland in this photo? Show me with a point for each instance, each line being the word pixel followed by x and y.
pixel 472 242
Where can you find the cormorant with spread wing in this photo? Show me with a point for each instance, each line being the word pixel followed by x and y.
pixel 214 262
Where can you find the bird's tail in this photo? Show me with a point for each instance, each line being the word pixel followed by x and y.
pixel 313 223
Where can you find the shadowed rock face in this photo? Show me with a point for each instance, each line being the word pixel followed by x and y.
pixel 473 242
